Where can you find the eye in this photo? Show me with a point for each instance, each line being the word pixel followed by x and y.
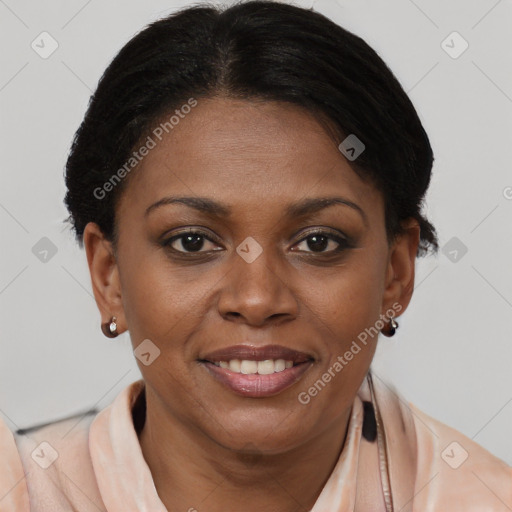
pixel 320 240
pixel 190 241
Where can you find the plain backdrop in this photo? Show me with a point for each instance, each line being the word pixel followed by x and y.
pixel 452 354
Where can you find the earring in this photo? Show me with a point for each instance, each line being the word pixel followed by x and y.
pixel 391 329
pixel 109 329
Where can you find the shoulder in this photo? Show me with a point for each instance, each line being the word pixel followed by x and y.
pixel 57 464
pixel 63 466
pixel 454 468
pixel 13 489
pixel 453 472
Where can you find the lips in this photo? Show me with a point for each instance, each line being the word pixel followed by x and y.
pixel 257 372
pixel 251 353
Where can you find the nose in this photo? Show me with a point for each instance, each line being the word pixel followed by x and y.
pixel 257 293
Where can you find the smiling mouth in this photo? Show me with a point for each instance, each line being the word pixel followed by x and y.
pixel 250 367
pixel 257 372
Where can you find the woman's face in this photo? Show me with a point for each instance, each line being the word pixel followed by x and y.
pixel 263 277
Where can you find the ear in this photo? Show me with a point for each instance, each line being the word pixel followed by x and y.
pixel 104 273
pixel 400 268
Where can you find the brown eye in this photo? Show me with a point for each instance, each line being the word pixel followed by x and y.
pixel 319 241
pixel 189 242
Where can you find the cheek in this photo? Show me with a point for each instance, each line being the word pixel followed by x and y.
pixel 351 300
pixel 148 295
pixel 161 302
pixel 346 313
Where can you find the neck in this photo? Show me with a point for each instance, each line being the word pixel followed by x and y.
pixel 192 472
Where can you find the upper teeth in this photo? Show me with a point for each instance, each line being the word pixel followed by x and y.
pixel 247 367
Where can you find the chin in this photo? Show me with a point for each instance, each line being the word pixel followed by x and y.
pixel 266 432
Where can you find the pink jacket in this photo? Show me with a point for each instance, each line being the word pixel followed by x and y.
pixel 97 464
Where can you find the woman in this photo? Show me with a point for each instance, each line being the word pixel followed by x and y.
pixel 247 184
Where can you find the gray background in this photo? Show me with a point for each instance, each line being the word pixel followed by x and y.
pixel 452 354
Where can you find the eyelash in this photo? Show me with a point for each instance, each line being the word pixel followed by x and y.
pixel 344 243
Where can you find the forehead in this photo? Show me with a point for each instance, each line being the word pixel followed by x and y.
pixel 246 153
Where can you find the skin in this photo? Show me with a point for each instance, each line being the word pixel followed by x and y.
pixel 207 447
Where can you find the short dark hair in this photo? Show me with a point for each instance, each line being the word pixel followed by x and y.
pixel 253 50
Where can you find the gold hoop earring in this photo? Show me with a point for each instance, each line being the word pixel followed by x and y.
pixel 109 329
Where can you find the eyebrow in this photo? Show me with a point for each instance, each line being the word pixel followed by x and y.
pixel 300 209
